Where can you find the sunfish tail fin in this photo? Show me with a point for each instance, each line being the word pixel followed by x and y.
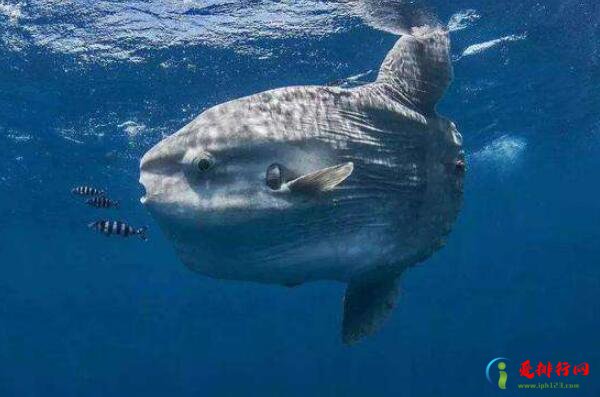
pixel 369 300
pixel 418 68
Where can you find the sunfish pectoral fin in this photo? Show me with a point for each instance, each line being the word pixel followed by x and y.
pixel 321 180
pixel 368 302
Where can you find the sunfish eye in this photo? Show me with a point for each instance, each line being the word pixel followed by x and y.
pixel 203 162
pixel 274 177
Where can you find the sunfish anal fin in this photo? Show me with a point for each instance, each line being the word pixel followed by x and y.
pixel 322 180
pixel 368 302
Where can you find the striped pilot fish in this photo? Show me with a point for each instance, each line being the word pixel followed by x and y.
pixel 87 191
pixel 101 202
pixel 119 228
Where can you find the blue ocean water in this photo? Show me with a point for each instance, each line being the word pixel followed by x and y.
pixel 87 87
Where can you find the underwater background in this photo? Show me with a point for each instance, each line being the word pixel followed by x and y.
pixel 86 87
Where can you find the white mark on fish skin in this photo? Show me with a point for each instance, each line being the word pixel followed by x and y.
pixel 462 20
pixel 486 45
pixel 388 162
pixel 355 80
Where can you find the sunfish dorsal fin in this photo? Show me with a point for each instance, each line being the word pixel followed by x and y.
pixel 418 67
pixel 321 180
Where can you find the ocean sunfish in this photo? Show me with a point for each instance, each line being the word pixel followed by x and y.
pixel 310 183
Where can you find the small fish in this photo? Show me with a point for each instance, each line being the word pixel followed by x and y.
pixel 101 202
pixel 87 191
pixel 118 227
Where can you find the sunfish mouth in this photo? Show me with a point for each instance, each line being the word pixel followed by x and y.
pixel 144 197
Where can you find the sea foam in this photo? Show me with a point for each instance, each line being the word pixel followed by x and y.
pixel 462 20
pixel 486 45
pixel 502 153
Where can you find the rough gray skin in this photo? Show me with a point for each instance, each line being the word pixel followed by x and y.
pixel 393 211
